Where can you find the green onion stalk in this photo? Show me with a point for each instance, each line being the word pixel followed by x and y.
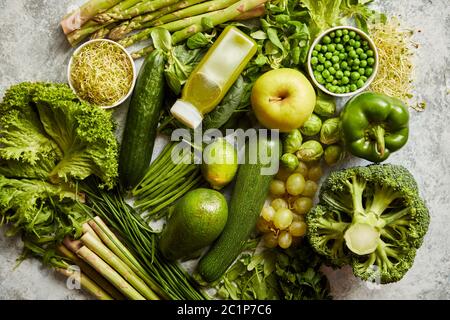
pixel 141 242
pixel 166 181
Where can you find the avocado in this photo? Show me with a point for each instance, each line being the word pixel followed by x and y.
pixel 197 220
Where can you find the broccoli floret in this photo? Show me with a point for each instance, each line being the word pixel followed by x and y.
pixel 371 218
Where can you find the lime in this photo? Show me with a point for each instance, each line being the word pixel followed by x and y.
pixel 220 163
pixel 196 221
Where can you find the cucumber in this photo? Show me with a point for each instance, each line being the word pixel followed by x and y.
pixel 247 200
pixel 142 120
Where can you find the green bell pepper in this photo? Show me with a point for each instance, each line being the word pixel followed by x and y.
pixel 374 125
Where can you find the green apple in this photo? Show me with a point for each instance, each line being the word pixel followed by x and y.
pixel 283 99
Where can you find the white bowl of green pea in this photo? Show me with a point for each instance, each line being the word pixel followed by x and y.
pixel 342 61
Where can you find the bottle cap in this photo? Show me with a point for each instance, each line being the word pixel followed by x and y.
pixel 187 113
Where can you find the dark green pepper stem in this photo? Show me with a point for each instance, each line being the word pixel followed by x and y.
pixel 378 133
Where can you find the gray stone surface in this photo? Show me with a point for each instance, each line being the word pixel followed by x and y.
pixel 32 47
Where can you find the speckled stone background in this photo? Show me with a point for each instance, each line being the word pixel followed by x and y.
pixel 32 47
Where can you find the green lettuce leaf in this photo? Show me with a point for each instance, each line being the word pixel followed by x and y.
pixel 42 211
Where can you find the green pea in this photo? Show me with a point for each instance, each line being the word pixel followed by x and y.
pixel 344 64
pixel 363 56
pixel 330 78
pixel 355 75
pixel 323 49
pixel 363 63
pixel 365 43
pixel 326 40
pixel 317 47
pixel 337 40
pixel 331 47
pixel 320 79
pixel 339 33
pixel 341 56
pixel 363 78
pixel 314 53
pixel 350 62
pixel 328 86
pixel 335 59
pixel 339 74
pixel 352 42
pixel 320 67
pixel 348 48
pixel 352 54
pixel 359 51
pixel 328 55
pixel 361 71
pixel 352 34
pixel 353 87
pixel 357 44
pixel 368 72
pixel 327 64
pixel 333 89
pixel 314 60
pixel 344 31
pixel 337 66
pixel 316 74
pixel 332 34
pixel 326 73
pixel 331 70
pixel 336 53
pixel 322 59
pixel 356 61
pixel 346 38
pixel 360 83
pixel 345 80
pixel 357 37
pixel 347 73
pixel 335 82
pixel 339 47
pixel 355 67
pixel 369 53
pixel 370 61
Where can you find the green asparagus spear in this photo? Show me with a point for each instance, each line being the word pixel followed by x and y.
pixel 139 22
pixel 209 6
pixel 139 9
pixel 87 11
pixel 96 23
pixel 121 7
pixel 228 14
pixel 171 27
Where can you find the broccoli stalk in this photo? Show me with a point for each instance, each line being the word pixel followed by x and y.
pixel 377 212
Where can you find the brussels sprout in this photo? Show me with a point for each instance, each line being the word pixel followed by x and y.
pixel 310 151
pixel 290 161
pixel 333 154
pixel 325 105
pixel 331 131
pixel 312 126
pixel 292 141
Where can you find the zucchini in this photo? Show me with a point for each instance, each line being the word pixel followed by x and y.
pixel 142 120
pixel 247 200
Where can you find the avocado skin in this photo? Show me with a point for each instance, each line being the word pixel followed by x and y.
pixel 197 220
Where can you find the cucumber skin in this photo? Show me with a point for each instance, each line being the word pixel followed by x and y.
pixel 247 200
pixel 142 120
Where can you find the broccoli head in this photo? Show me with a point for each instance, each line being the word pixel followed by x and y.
pixel 371 218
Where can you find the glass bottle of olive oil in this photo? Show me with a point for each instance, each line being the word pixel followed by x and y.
pixel 213 76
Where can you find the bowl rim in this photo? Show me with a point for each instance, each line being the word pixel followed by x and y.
pixel 368 81
pixel 125 97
